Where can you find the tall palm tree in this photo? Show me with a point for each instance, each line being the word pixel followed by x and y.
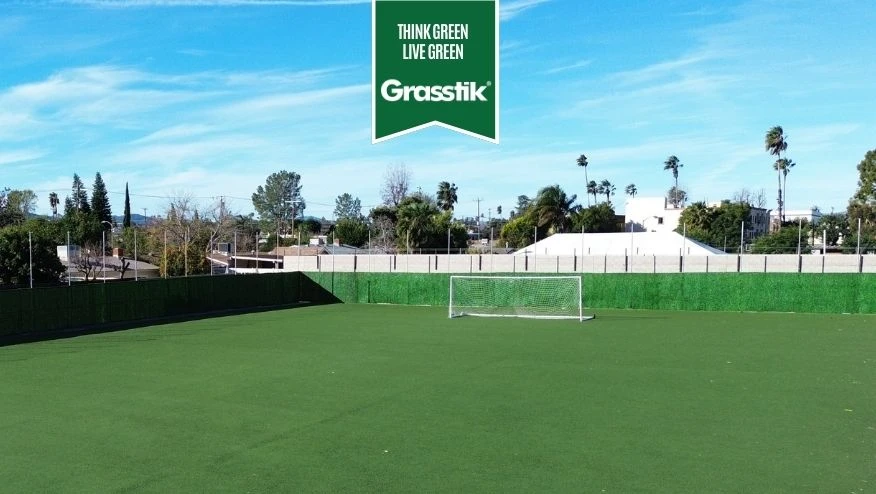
pixel 608 189
pixel 54 201
pixel 592 188
pixel 631 190
pixel 582 161
pixel 553 208
pixel 673 164
pixel 447 196
pixel 775 143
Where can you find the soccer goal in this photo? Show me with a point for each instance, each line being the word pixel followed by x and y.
pixel 543 297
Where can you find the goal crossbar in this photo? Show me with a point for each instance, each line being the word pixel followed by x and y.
pixel 539 297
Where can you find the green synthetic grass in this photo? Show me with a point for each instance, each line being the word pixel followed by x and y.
pixel 354 398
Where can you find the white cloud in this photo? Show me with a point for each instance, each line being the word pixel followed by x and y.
pixel 510 9
pixel 564 68
pixel 175 132
pixel 19 156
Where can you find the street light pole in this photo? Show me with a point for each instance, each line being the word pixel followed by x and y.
pixel 103 249
pixel 103 255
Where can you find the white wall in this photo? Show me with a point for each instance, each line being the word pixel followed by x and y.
pixel 500 263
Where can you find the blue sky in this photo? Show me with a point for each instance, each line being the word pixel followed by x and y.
pixel 208 97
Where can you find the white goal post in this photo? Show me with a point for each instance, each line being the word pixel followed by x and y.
pixel 540 297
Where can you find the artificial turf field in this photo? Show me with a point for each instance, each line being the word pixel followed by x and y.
pixel 357 398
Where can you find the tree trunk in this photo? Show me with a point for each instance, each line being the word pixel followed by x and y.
pixel 781 215
pixel 586 183
pixel 784 193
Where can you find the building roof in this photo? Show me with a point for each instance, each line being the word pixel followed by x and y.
pixel 619 244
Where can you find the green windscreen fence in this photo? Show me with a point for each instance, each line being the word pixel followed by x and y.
pixel 779 292
pixel 94 304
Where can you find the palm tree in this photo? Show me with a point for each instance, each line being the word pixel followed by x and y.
pixel 447 196
pixel 631 190
pixel 592 188
pixel 553 208
pixel 698 216
pixel 413 219
pixel 775 144
pixel 673 164
pixel 54 201
pixel 608 189
pixel 582 161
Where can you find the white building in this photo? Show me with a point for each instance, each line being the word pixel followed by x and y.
pixel 812 215
pixel 618 244
pixel 651 214
pixel 68 253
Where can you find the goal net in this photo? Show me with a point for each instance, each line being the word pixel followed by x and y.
pixel 546 297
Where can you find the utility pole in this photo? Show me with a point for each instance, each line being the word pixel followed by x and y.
pixel 145 218
pixel 478 200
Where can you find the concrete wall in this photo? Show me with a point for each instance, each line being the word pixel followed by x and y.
pixel 500 263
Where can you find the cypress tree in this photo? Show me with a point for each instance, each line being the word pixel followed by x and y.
pixel 126 222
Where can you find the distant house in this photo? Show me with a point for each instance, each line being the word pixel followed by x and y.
pixel 651 214
pixel 811 215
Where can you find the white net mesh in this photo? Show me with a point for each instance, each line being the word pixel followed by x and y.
pixel 557 297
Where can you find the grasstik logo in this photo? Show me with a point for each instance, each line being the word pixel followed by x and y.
pixel 435 63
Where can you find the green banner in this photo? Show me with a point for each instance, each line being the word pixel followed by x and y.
pixel 435 62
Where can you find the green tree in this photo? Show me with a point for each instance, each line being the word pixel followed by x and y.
pixel 775 144
pixel 782 241
pixel 178 263
pixel 553 209
pixel 837 226
pixel 677 197
pixel 631 190
pixel 15 260
pixel 446 196
pixel 519 231
pixel 126 221
pixel 582 162
pixel 9 214
pixel 672 163
pixel 438 227
pixel 22 201
pixel 351 231
pixel 279 200
pixel 414 216
pixel 715 226
pixel 599 218
pixel 100 200
pixel 523 203
pixel 346 207
pixel 863 203
pixel 80 196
